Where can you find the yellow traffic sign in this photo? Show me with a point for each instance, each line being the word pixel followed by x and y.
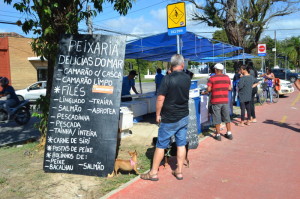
pixel 176 15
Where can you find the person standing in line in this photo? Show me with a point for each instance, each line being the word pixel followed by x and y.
pixel 219 85
pixel 269 80
pixel 254 74
pixel 158 79
pixel 247 82
pixel 172 110
pixel 127 85
pixel 235 81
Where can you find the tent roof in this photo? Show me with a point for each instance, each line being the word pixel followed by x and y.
pixel 221 59
pixel 161 47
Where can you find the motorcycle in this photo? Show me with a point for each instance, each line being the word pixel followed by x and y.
pixel 20 114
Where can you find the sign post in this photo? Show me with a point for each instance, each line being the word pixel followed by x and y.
pixel 176 20
pixel 84 105
pixel 262 52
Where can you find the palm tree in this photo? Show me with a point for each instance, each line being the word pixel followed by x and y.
pixel 293 50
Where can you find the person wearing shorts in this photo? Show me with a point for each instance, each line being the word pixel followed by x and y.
pixel 219 85
pixel 172 111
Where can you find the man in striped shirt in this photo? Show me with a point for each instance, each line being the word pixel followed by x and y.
pixel 219 85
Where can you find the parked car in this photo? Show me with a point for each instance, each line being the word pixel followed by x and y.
pixel 285 74
pixel 32 92
pixel 286 87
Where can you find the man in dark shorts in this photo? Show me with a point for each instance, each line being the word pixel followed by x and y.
pixel 172 113
pixel 219 85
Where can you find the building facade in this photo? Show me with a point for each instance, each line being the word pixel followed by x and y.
pixel 18 62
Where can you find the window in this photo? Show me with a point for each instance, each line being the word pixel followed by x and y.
pixel 42 74
pixel 36 86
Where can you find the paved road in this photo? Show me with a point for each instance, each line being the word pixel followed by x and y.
pixel 262 161
pixel 13 133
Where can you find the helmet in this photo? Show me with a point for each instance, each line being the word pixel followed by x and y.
pixel 4 81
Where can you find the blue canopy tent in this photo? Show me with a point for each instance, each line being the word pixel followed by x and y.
pixel 222 59
pixel 161 47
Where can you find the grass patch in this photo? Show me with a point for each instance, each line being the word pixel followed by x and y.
pixel 3 180
pixel 146 80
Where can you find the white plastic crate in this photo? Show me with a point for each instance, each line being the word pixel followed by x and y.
pixel 126 119
pixel 138 108
pixel 151 103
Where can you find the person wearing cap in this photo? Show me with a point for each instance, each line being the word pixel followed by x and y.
pixel 128 84
pixel 219 85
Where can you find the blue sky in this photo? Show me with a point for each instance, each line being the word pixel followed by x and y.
pixel 149 17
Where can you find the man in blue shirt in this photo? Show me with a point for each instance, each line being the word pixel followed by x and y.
pixel 158 78
pixel 128 84
pixel 8 91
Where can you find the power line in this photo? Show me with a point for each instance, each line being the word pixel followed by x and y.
pixel 10 16
pixel 9 22
pixel 8 11
pixel 133 11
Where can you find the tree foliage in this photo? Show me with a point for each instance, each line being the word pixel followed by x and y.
pixel 288 49
pixel 220 35
pixel 243 21
pixel 49 19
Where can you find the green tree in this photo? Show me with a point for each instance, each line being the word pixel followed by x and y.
pixel 49 19
pixel 292 50
pixel 243 21
pixel 220 35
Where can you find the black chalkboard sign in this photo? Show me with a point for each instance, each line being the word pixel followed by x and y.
pixel 192 131
pixel 85 103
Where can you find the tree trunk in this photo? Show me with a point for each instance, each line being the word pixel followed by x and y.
pixel 51 63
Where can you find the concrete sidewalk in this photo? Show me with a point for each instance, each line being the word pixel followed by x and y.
pixel 261 162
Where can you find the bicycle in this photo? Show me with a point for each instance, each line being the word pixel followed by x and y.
pixel 264 95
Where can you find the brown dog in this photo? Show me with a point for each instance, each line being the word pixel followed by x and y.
pixel 127 165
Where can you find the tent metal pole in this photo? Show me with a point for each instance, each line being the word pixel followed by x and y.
pixel 138 63
pixel 178 44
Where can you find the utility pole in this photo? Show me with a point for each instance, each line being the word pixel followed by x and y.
pixel 178 44
pixel 89 22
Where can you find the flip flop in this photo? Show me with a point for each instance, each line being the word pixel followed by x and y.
pixel 148 176
pixel 174 173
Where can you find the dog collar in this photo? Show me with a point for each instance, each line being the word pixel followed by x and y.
pixel 132 163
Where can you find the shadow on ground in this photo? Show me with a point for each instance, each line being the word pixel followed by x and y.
pixel 283 125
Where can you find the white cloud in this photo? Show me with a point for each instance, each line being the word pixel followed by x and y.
pixel 130 25
pixel 160 14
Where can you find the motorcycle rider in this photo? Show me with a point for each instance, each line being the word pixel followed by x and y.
pixel 8 91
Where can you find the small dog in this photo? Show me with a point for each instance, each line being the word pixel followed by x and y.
pixel 127 165
pixel 172 151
